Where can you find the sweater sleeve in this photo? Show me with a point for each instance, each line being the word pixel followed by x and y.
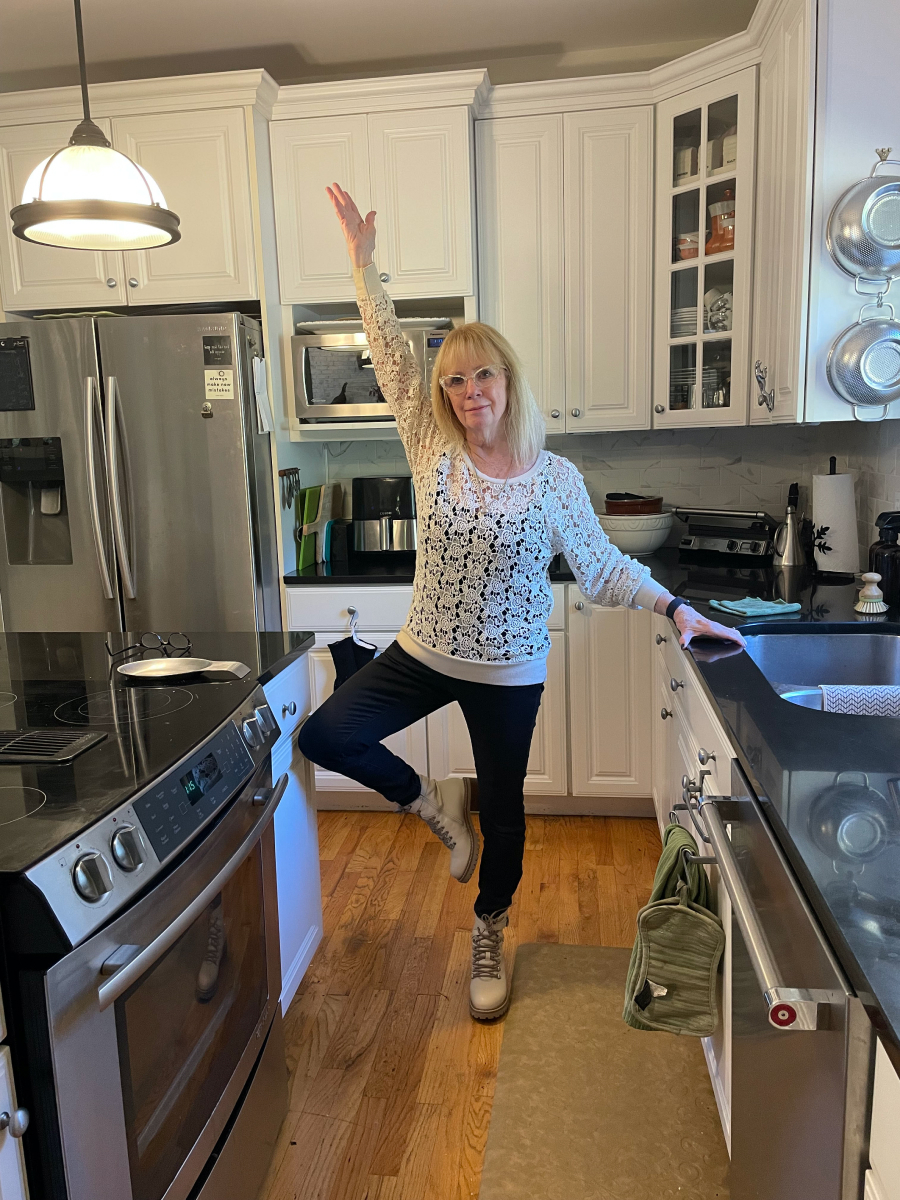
pixel 396 369
pixel 604 574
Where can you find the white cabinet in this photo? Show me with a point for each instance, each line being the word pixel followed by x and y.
pixel 704 223
pixel 410 744
pixel 34 277
pixel 608 237
pixel 520 240
pixel 884 1143
pixel 13 1184
pixel 414 168
pixel 450 750
pixel 200 161
pixel 309 155
pixel 609 699
pixel 783 206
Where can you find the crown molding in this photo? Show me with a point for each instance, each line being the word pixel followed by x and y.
pixel 132 97
pixel 340 97
pixel 636 87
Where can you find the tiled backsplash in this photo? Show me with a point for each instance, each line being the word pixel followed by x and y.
pixel 723 468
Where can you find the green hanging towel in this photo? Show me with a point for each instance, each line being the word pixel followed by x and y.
pixel 671 982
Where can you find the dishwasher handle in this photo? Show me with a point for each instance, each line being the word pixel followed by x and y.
pixel 788 1007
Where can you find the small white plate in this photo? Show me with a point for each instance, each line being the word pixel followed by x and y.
pixel 162 668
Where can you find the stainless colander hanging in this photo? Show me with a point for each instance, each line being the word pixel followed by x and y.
pixel 864 362
pixel 864 227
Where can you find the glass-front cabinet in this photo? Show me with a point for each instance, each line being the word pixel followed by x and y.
pixel 704 207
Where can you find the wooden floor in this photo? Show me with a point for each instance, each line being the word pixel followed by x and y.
pixel 391 1080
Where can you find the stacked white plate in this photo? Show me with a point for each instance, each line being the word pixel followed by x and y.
pixel 684 322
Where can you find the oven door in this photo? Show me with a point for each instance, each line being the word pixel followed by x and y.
pixel 157 1021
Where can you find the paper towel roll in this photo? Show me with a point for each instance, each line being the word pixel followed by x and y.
pixel 834 519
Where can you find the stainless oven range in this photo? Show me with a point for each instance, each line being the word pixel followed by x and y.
pixel 141 954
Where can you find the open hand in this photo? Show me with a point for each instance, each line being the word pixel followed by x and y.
pixel 691 624
pixel 360 234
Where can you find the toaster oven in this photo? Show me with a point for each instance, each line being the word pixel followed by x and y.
pixel 334 378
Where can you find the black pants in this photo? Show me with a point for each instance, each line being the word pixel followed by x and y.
pixel 395 690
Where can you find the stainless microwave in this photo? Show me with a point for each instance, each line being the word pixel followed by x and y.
pixel 334 378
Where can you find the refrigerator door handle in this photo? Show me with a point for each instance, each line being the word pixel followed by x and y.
pixel 788 1008
pixel 92 408
pixel 113 431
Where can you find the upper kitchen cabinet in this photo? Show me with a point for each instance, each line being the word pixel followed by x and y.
pixel 704 214
pixel 783 204
pixel 520 248
pixel 32 276
pixel 413 167
pixel 565 233
pixel 307 156
pixel 200 161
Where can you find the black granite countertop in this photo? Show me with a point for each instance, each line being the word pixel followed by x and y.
pixel 372 569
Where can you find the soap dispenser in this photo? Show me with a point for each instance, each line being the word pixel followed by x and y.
pixel 884 555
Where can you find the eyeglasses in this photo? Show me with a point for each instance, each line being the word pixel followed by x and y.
pixel 175 645
pixel 482 377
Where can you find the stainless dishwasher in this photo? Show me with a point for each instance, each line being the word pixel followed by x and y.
pixel 801 1041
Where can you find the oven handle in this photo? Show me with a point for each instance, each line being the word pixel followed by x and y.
pixel 109 992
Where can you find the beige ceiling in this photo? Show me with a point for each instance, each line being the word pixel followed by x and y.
pixel 298 40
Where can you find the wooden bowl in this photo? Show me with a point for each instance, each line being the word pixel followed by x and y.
pixel 643 507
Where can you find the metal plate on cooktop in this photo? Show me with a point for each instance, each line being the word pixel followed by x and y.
pixel 164 668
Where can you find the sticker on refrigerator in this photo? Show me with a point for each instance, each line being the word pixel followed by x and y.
pixel 219 385
pixel 217 352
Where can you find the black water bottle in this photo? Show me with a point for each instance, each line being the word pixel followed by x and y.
pixel 884 556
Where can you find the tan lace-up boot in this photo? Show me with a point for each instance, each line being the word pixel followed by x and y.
pixel 489 991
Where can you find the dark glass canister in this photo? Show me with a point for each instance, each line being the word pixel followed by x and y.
pixel 884 555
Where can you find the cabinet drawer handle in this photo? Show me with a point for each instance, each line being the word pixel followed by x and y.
pixel 289 708
pixel 384 277
pixel 705 756
pixel 660 638
pixel 132 282
pixel 666 712
pixel 111 283
pixel 576 412
pixel 675 684
pixel 554 412
pixel 16 1122
pixel 579 606
pixel 658 408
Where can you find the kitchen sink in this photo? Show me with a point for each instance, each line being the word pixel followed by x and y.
pixel 796 662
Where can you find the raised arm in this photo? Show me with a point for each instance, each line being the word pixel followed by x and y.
pixel 396 369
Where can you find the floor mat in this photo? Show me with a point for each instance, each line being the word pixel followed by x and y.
pixel 587 1108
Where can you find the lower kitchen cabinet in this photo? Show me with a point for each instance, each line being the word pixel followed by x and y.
pixel 883 1180
pixel 13 1185
pixel 450 750
pixel 609 699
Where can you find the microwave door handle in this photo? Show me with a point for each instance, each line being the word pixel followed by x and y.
pixel 92 408
pixel 137 964
pixel 788 1008
pixel 113 430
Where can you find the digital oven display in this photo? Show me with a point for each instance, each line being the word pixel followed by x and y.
pixel 198 781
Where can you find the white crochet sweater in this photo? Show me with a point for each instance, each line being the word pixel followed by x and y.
pixel 481 596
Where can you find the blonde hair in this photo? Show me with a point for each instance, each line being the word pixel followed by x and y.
pixel 523 420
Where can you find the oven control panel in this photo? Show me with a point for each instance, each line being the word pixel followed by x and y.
pixel 98 873
pixel 175 807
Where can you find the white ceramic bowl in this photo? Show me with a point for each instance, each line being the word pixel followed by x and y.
pixel 636 534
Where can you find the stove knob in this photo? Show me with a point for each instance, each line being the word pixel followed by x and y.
pixel 250 730
pixel 91 877
pixel 754 547
pixel 126 848
pixel 731 545
pixel 265 719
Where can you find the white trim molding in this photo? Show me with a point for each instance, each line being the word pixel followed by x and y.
pixel 135 97
pixel 439 89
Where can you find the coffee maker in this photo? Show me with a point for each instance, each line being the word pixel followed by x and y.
pixel 383 514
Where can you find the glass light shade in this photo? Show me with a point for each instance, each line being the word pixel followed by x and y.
pixel 106 190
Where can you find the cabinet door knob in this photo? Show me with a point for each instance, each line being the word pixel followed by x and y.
pixel 705 756
pixel 384 277
pixel 16 1122
pixel 554 413
pixel 289 708
pixel 132 282
pixel 666 712
pixel 579 606
pixel 111 283
pixel 659 408
pixel 576 412
pixel 660 638
pixel 675 684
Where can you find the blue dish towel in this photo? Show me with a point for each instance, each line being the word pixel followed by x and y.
pixel 752 606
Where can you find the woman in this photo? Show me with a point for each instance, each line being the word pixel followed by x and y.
pixel 494 508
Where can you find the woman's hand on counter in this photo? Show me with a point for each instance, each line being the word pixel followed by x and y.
pixel 692 624
pixel 360 234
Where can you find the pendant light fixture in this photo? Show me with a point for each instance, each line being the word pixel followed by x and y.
pixel 88 196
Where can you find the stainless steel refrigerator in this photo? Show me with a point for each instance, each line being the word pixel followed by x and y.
pixel 136 491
